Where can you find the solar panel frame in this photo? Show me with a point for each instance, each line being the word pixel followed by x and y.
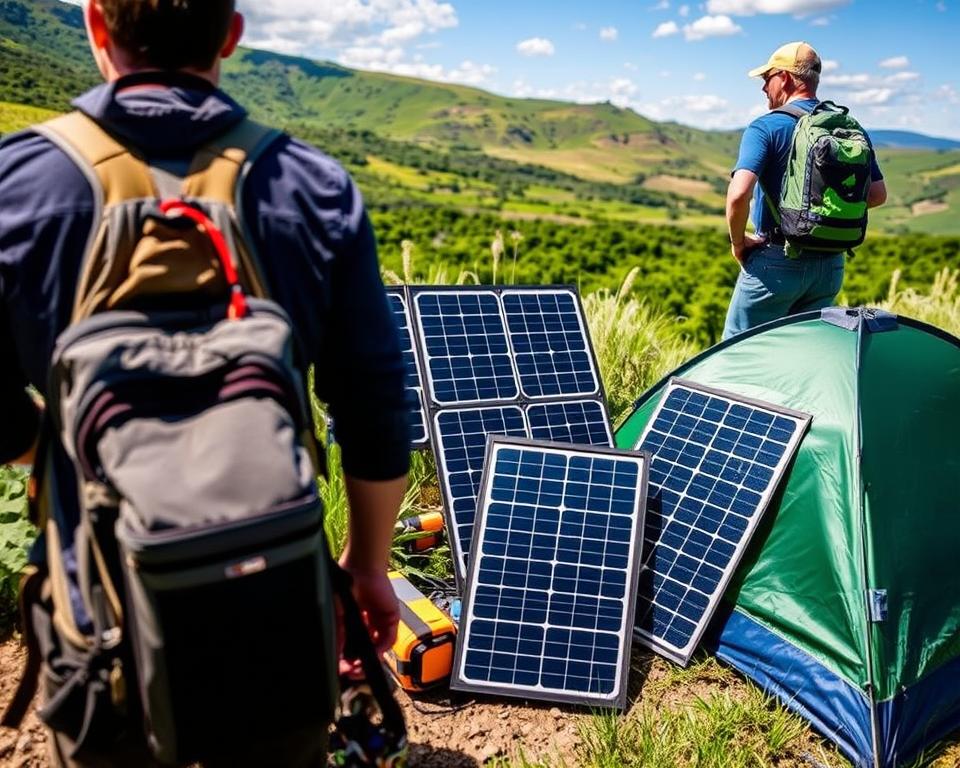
pixel 526 403
pixel 420 433
pixel 618 698
pixel 674 652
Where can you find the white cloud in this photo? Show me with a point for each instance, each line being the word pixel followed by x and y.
pixel 622 86
pixel 753 7
pixel 699 76
pixel 895 62
pixel 710 26
pixel 702 110
pixel 871 96
pixel 845 81
pixel 820 21
pixel 304 26
pixel 947 93
pixel 684 11
pixel 902 77
pixel 665 73
pixel 535 46
pixel 467 73
pixel 630 66
pixel 661 6
pixel 666 29
pixel 608 33
pixel 829 65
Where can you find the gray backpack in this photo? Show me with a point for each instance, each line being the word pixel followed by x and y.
pixel 200 554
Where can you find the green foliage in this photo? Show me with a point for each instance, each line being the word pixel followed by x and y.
pixel 685 273
pixel 16 537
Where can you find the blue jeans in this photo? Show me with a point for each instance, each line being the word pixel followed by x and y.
pixel 771 286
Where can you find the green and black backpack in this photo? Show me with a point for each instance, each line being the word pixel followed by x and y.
pixel 823 200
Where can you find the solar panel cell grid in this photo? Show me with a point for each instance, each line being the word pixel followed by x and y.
pixel 549 344
pixel 717 459
pixel 526 347
pixel 418 423
pixel 548 606
pixel 467 355
pixel 462 443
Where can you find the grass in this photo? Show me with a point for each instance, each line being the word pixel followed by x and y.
pixel 939 307
pixel 704 716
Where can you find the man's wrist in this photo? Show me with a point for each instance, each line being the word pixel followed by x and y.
pixel 733 242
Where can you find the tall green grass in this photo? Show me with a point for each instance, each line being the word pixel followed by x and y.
pixel 939 307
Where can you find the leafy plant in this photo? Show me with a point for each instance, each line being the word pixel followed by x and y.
pixel 16 537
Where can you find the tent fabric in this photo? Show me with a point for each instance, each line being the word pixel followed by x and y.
pixel 870 510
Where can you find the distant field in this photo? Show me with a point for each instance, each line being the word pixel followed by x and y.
pixel 15 117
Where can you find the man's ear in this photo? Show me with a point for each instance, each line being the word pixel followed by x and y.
pixel 96 25
pixel 98 38
pixel 234 33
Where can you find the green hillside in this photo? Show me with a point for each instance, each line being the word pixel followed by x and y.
pixel 432 143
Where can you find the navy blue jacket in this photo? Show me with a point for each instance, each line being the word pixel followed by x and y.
pixel 310 228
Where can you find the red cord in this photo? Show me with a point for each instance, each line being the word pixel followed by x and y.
pixel 175 207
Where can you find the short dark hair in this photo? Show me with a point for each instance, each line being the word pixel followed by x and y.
pixel 169 34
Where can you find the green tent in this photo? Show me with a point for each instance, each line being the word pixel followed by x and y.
pixel 847 604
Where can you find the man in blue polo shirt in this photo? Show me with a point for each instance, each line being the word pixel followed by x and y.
pixel 770 284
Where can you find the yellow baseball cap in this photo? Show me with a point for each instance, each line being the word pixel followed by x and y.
pixel 788 58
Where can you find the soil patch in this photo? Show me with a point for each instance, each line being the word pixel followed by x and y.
pixel 926 207
pixel 27 747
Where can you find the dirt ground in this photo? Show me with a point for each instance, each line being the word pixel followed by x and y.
pixel 25 748
pixel 441 735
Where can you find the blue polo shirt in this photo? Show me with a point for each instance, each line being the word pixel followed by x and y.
pixel 765 149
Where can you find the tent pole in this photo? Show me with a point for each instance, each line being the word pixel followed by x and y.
pixel 864 564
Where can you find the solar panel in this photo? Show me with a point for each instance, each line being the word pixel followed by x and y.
pixel 548 607
pixel 401 315
pixel 550 345
pixel 717 460
pixel 525 347
pixel 466 353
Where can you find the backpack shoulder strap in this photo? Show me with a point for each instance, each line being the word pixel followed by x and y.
pixel 218 172
pixel 220 166
pixel 791 109
pixel 116 173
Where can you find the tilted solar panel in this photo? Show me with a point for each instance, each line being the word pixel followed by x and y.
pixel 550 344
pixel 494 346
pixel 717 460
pixel 548 608
pixel 401 315
pixel 466 353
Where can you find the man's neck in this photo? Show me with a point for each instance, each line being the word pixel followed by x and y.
pixel 801 96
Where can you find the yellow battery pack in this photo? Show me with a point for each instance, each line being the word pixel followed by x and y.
pixel 422 656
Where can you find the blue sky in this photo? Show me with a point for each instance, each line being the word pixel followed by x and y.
pixel 889 60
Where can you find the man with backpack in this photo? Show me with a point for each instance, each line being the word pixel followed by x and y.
pixel 168 270
pixel 812 174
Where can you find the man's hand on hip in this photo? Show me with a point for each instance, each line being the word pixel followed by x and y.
pixel 742 248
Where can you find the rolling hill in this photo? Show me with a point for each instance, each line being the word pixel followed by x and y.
pixel 450 144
